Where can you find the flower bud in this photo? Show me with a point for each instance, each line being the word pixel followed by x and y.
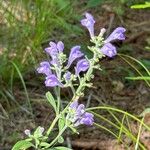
pixel 102 31
pixel 27 132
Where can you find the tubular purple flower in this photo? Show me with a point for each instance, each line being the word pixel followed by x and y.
pixel 109 50
pixel 52 49
pixel 52 81
pixel 67 75
pixel 44 68
pixel 60 46
pixel 82 65
pixel 52 44
pixel 80 110
pixel 74 105
pixel 89 22
pixel 79 116
pixel 117 34
pixel 55 48
pixel 74 54
pixel 87 119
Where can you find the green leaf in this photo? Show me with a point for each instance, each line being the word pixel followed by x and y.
pixel 61 123
pixel 51 100
pixel 60 139
pixel 22 145
pixel 93 3
pixel 37 142
pixel 44 144
pixel 37 132
pixel 140 6
pixel 62 4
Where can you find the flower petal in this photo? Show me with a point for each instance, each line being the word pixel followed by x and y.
pixel 89 22
pixel 82 65
pixel 74 105
pixel 117 34
pixel 87 119
pixel 44 68
pixel 67 75
pixel 109 50
pixel 80 110
pixel 60 46
pixel 52 81
pixel 55 62
pixel 52 49
pixel 74 54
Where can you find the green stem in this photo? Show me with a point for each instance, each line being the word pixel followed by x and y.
pixel 60 133
pixel 56 119
pixel 52 125
pixel 58 72
pixel 58 100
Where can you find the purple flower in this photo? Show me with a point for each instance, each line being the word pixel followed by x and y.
pixel 55 61
pixel 60 46
pixel 87 119
pixel 67 76
pixel 74 54
pixel 44 68
pixel 117 34
pixel 80 110
pixel 74 105
pixel 109 50
pixel 89 22
pixel 52 49
pixel 55 48
pixel 79 116
pixel 82 65
pixel 52 81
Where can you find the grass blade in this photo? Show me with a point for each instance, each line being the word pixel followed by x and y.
pixel 24 86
